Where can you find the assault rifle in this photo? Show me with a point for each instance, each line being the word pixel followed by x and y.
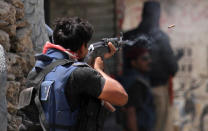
pixel 100 48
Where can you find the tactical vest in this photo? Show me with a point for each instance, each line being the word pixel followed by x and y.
pixel 55 113
pixel 52 95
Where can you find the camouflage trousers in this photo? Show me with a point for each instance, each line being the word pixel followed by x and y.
pixel 164 119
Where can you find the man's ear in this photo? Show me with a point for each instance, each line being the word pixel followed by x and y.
pixel 83 47
pixel 81 50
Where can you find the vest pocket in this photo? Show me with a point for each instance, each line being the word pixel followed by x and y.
pixel 45 90
pixel 25 97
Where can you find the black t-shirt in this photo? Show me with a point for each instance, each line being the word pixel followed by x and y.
pixel 84 81
pixel 136 94
pixel 141 98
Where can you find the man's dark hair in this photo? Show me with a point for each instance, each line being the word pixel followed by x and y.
pixel 142 41
pixel 71 33
pixel 142 45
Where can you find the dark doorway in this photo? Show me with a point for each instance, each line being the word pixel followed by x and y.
pixel 47 11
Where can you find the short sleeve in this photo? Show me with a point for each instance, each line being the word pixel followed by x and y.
pixel 88 81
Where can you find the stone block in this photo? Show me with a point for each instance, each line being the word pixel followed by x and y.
pixel 4 40
pixel 21 23
pixel 19 13
pixel 10 29
pixel 22 40
pixel 3 23
pixel 13 89
pixel 16 3
pixel 7 12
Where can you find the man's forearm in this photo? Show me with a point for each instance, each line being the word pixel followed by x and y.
pixel 113 92
pixel 108 78
pixel 103 74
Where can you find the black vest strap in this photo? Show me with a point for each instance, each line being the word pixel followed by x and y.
pixel 48 68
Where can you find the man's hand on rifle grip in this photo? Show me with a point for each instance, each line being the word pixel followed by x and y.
pixel 112 51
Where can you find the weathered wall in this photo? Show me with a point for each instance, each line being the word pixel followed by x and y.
pixel 3 76
pixel 34 14
pixel 15 35
pixel 189 34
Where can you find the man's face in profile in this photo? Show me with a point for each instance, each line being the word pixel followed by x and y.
pixel 142 63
